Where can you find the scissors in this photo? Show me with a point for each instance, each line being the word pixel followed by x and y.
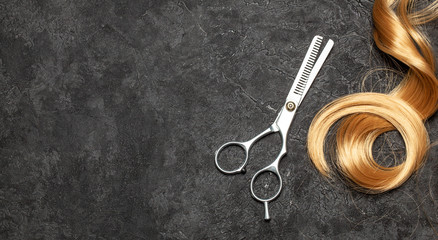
pixel 305 76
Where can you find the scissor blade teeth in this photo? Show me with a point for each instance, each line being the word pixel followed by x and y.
pixel 309 68
pixel 305 71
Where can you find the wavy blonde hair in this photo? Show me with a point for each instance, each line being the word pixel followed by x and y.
pixel 365 116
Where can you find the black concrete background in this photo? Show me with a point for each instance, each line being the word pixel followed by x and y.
pixel 111 112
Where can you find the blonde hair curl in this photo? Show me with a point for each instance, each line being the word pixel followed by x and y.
pixel 365 116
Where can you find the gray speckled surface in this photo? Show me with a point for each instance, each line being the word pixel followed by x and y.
pixel 111 112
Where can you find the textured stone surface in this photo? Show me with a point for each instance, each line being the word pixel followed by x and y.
pixel 111 112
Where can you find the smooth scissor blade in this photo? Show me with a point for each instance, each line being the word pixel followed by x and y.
pixel 309 69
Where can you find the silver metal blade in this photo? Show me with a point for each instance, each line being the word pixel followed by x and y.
pixel 303 74
pixel 321 59
pixel 305 77
pixel 308 70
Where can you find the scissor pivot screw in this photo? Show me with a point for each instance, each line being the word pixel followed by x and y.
pixel 290 106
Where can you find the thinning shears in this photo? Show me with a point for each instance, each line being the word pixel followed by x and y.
pixel 310 67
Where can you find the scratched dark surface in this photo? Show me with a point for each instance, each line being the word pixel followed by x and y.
pixel 111 112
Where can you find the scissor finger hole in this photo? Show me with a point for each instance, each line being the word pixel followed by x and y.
pixel 266 185
pixel 231 157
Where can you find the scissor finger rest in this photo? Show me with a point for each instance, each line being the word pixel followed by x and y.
pixel 273 168
pixel 241 168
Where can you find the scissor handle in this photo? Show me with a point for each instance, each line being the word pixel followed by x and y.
pixel 241 169
pixel 246 146
pixel 273 168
